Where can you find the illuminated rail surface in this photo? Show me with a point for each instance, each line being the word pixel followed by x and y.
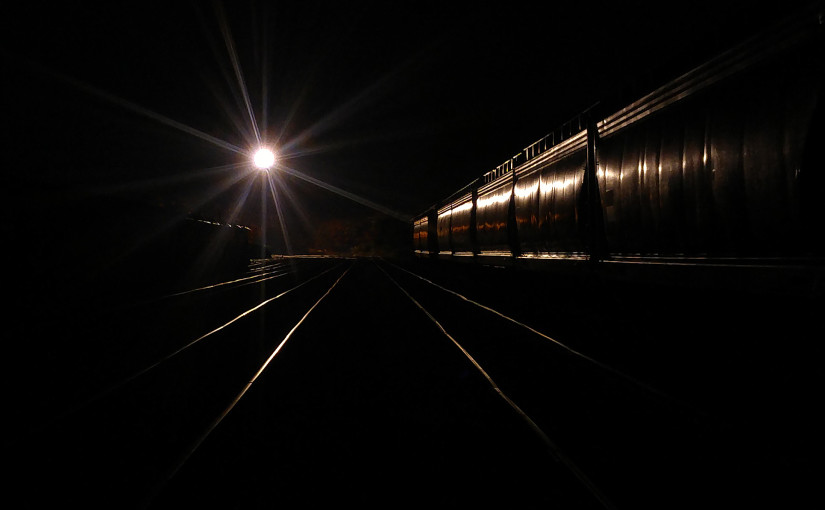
pixel 313 381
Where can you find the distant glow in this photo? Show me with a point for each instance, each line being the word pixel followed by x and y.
pixel 264 159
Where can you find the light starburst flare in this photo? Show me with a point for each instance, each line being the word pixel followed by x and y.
pixel 264 158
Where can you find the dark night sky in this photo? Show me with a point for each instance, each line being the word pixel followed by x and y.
pixel 400 103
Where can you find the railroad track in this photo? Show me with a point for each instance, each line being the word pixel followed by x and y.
pixel 311 381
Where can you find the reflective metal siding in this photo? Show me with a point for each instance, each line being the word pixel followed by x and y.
pixel 621 160
pixel 492 216
pixel 420 234
pixel 443 229
pixel 548 200
pixel 711 167
pixel 712 177
pixel 526 197
pixel 559 205
pixel 460 224
pixel 776 136
pixel 656 186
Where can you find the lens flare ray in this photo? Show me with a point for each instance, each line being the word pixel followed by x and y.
pixel 236 66
pixel 171 179
pixel 136 108
pixel 346 194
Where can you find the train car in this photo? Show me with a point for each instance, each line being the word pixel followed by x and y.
pixel 711 165
pixel 719 166
pixel 548 201
pixel 495 230
pixel 461 241
pixel 420 235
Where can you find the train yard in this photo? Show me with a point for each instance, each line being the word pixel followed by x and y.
pixel 626 314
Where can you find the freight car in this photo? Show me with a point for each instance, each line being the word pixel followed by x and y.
pixel 717 168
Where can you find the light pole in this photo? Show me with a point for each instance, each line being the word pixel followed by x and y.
pixel 263 159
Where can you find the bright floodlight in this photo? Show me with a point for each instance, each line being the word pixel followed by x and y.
pixel 264 159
